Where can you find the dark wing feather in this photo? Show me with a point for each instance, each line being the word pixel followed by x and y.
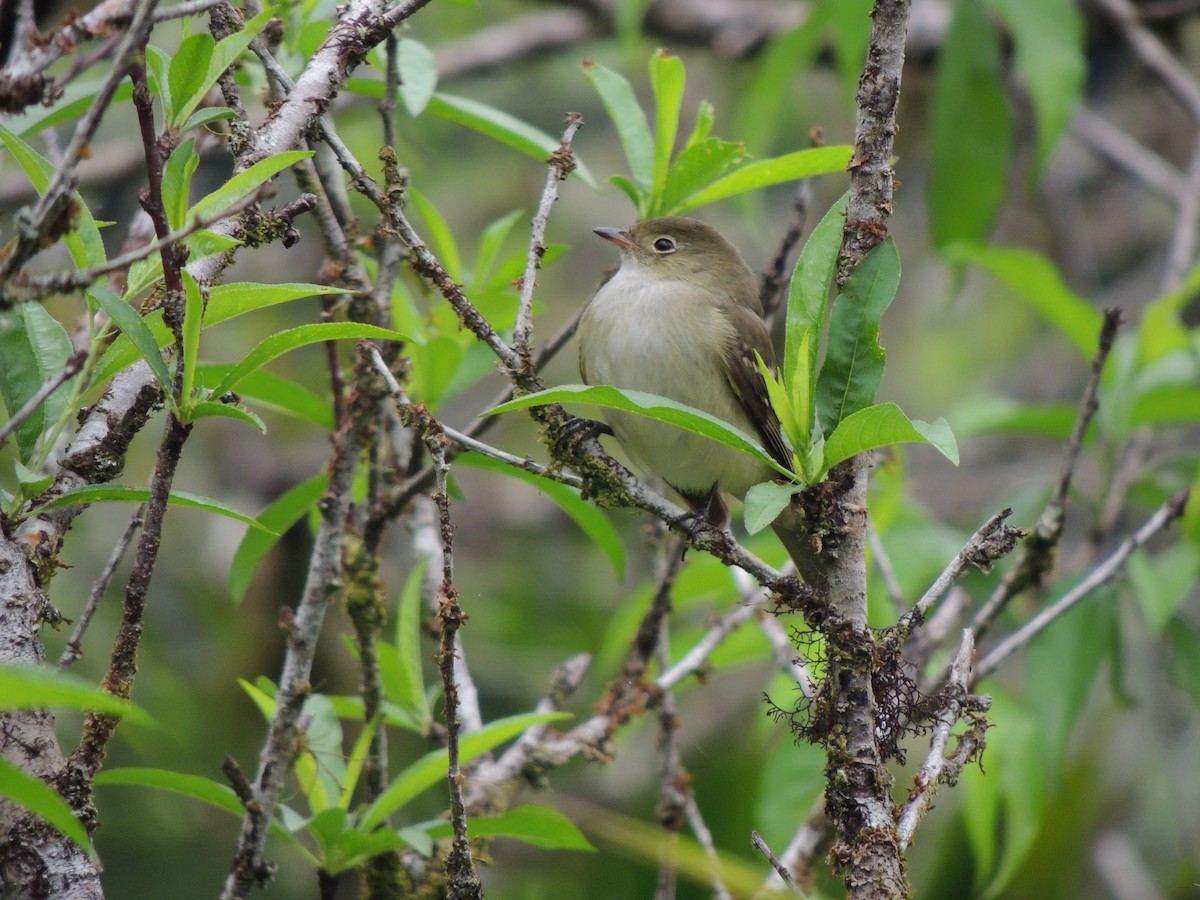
pixel 747 381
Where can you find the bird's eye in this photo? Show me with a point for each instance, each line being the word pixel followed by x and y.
pixel 664 245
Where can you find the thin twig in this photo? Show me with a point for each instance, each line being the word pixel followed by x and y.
pixel 1122 150
pixel 1037 555
pixel 1182 250
pixel 1155 54
pixel 992 541
pixel 74 647
pixel 1102 574
pixel 562 164
pixel 760 845
pixel 930 775
pixel 460 866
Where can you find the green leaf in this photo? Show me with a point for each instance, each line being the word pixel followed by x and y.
pixel 1163 582
pixel 195 786
pixel 1166 405
pixel 204 117
pixel 1003 415
pixel 1048 40
pixel 652 407
pixel 431 768
pixel 1161 331
pixel 883 426
pixel 766 172
pixel 321 768
pixel 441 235
pixel 210 409
pixel 540 826
pixel 275 520
pixel 490 244
pixel 33 794
pixel 187 76
pixel 667 78
pixel 192 318
pixel 136 330
pixel 34 348
pixel 266 389
pixel 224 55
pixel 764 503
pixel 502 127
pixel 1035 279
pixel 176 180
pixel 245 182
pixel 591 520
pixel 358 758
pixel 119 493
pixel 157 65
pixel 284 341
pixel 418 74
pixel 972 141
pixel 1185 658
pixel 402 676
pixel 628 188
pixel 695 167
pixel 227 301
pixel 616 93
pixel 435 363
pixel 76 97
pixel 705 115
pixel 808 294
pixel 34 687
pixel 1003 810
pixel 854 360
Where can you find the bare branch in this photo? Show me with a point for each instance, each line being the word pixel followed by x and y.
pixel 1099 576
pixel 760 845
pixel 1037 555
pixel 562 163
pixel 933 769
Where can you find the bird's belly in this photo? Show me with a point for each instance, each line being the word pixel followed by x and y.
pixel 653 344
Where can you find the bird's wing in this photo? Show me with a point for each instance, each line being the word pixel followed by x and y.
pixel 747 381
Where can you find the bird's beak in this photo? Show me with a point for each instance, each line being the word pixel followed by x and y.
pixel 622 239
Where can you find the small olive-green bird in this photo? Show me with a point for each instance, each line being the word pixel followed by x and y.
pixel 682 318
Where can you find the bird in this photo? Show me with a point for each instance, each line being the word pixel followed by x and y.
pixel 682 318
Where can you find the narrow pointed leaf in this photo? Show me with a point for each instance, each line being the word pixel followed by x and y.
pixel 275 520
pixel 853 365
pixel 616 93
pixel 34 795
pixel 245 182
pixel 667 77
pixel 119 493
pixel 765 172
pixel 586 515
pixel 34 348
pixel 501 126
pixel 808 291
pixel 431 768
pixel 278 344
pixel 539 826
pixel 652 407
